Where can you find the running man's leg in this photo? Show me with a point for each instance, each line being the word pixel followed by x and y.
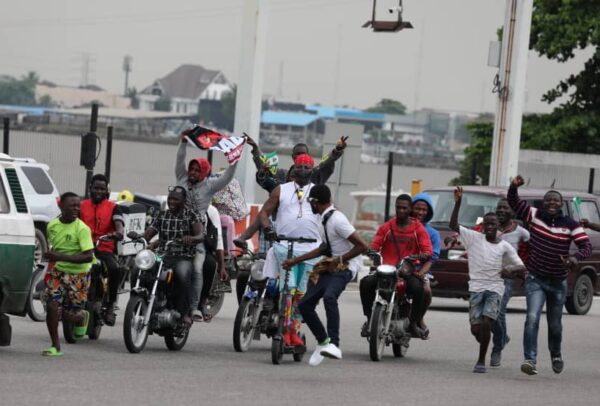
pixel 536 296
pixel 555 300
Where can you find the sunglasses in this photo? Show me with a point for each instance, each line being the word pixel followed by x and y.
pixel 177 189
pixel 313 200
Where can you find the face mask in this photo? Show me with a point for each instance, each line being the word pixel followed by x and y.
pixel 302 176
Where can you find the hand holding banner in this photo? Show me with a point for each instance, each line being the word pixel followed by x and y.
pixel 205 138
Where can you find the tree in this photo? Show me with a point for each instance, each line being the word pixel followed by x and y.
pixel 475 168
pixel 162 104
pixel 388 106
pixel 228 106
pixel 19 92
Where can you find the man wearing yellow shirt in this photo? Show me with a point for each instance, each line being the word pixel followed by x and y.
pixel 68 278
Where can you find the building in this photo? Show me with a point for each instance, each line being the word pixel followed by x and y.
pixel 71 97
pixel 183 88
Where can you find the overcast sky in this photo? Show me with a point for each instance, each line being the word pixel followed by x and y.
pixel 442 63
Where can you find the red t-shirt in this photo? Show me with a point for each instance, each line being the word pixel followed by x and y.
pixel 395 244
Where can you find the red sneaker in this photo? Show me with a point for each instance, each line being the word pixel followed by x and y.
pixel 296 340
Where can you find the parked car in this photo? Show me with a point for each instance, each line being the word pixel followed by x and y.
pixel 451 270
pixel 41 196
pixel 17 245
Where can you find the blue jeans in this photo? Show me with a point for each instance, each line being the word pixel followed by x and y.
pixel 554 293
pixel 499 327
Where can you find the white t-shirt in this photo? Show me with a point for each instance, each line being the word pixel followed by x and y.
pixel 486 261
pixel 515 236
pixel 338 231
pixel 215 219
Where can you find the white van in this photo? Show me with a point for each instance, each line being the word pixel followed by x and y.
pixel 17 246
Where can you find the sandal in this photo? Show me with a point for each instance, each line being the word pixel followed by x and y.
pixel 80 331
pixel 206 314
pixel 51 352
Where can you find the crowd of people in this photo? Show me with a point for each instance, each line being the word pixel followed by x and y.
pixel 300 206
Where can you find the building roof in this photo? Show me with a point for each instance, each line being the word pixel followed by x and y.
pixel 120 113
pixel 344 112
pixel 186 82
pixel 287 118
pixel 30 110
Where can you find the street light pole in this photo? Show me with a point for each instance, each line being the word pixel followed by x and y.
pixel 250 85
pixel 513 75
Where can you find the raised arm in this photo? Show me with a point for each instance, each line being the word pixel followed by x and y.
pixel 521 208
pixel 218 183
pixel 325 169
pixel 180 169
pixel 458 194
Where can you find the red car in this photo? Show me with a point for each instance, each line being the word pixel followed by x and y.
pixel 451 270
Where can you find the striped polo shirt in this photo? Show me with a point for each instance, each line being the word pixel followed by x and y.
pixel 551 238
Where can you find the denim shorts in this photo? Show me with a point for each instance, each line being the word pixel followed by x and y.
pixel 486 303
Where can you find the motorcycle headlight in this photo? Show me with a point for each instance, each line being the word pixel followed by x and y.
pixel 243 263
pixel 145 260
pixel 256 271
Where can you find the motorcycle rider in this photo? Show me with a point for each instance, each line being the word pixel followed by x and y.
pixel 422 210
pixel 343 248
pixel 295 218
pixel 178 223
pixel 214 260
pixel 397 238
pixel 104 217
pixel 201 189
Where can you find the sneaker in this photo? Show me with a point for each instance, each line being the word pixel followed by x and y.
pixel 495 359
pixel 528 367
pixel 331 350
pixel 364 331
pixel 316 358
pixel 479 369
pixel 557 364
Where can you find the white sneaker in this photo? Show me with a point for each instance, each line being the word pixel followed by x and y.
pixel 316 358
pixel 331 351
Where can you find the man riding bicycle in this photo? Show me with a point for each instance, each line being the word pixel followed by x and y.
pixel 104 217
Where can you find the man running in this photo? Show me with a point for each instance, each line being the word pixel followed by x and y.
pixel 200 190
pixel 295 218
pixel 548 265
pixel 343 249
pixel 71 256
pixel 396 239
pixel 490 258
pixel 104 217
pixel 511 232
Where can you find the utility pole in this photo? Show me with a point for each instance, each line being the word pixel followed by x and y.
pixel 513 75
pixel 127 68
pixel 250 86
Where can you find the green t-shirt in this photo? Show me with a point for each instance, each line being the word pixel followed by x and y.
pixel 70 238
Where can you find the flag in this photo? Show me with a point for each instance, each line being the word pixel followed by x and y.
pixel 205 138
pixel 271 160
pixel 577 205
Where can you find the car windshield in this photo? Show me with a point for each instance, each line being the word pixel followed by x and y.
pixel 472 209
pixel 371 208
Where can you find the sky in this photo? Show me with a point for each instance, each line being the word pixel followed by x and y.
pixel 316 50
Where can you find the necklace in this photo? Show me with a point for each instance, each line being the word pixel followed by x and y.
pixel 301 195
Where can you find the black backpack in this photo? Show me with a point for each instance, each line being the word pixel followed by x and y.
pixel 212 236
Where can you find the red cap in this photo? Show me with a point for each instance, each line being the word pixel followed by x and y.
pixel 304 159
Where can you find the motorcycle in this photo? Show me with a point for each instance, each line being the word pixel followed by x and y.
pixel 389 322
pixel 257 312
pixel 150 308
pixel 278 347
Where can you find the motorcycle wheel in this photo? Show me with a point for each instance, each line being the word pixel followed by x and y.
pixel 176 343
pixel 243 330
pixel 214 303
pixel 399 350
pixel 135 333
pixel 298 357
pixel 36 303
pixel 68 331
pixel 276 349
pixel 376 336
pixel 95 324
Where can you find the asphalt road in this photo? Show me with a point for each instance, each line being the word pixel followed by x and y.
pixel 209 371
